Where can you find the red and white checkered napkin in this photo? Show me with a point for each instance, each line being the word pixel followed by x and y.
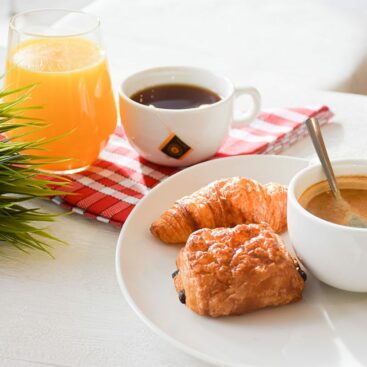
pixel 114 184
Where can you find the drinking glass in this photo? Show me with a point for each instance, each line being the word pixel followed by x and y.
pixel 60 51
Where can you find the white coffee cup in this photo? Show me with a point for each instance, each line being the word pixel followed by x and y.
pixel 335 254
pixel 195 134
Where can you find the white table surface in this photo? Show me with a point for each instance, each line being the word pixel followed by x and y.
pixel 69 311
pixel 319 44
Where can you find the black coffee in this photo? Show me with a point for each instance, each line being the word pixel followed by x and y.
pixel 175 96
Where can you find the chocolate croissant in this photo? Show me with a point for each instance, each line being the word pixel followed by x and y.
pixel 224 203
pixel 231 271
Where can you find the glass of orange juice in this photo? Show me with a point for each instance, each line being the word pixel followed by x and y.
pixel 60 52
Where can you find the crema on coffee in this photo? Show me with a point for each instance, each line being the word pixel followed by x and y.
pixel 319 200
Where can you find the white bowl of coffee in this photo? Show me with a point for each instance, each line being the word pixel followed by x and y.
pixel 333 251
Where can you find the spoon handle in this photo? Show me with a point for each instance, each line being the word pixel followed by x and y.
pixel 318 142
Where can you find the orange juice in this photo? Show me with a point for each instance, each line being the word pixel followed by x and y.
pixel 74 88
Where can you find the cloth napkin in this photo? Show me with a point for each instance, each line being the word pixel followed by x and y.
pixel 110 189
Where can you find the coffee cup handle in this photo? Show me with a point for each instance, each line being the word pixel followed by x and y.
pixel 249 115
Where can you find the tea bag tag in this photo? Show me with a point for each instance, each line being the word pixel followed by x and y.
pixel 175 148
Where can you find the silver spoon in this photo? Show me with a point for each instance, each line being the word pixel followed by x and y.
pixel 313 126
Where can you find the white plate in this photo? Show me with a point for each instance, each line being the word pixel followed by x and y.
pixel 327 328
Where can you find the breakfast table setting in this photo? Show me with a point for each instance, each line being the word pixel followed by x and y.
pixel 116 287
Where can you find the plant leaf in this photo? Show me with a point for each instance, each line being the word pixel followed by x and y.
pixel 20 177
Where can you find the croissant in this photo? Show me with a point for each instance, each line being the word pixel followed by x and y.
pixel 232 271
pixel 224 203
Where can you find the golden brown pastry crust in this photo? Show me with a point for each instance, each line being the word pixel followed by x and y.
pixel 231 271
pixel 224 203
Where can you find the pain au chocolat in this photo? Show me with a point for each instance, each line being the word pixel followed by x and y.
pixel 232 271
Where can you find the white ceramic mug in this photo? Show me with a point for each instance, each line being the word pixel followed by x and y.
pixel 175 137
pixel 335 254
